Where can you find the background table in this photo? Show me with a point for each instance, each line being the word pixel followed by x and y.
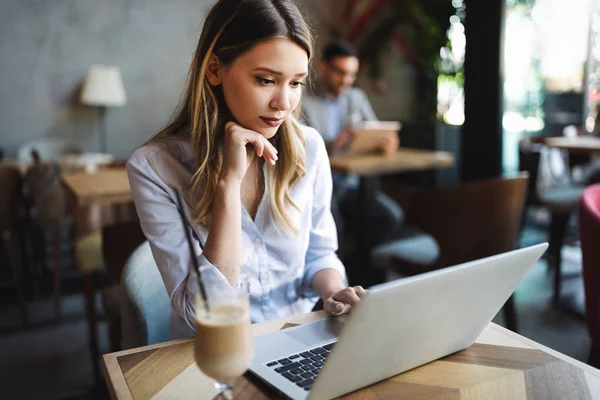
pixel 579 144
pixel 404 160
pixel 109 185
pixel 501 364
pixel 97 200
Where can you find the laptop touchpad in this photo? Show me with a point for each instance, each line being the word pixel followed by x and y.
pixel 317 332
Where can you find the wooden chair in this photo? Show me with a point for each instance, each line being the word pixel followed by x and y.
pixel 12 214
pixel 467 222
pixel 50 216
pixel 553 190
pixel 119 241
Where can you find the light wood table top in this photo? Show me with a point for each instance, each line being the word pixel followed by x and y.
pixel 106 186
pixel 404 160
pixel 500 365
pixel 99 199
pixel 579 144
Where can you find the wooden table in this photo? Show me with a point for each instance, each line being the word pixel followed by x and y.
pixel 500 365
pixel 369 167
pixel 69 163
pixel 98 199
pixel 91 195
pixel 109 185
pixel 578 144
pixel 404 160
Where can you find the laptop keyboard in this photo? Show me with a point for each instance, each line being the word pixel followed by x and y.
pixel 302 368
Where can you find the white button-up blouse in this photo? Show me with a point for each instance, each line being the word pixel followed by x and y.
pixel 279 268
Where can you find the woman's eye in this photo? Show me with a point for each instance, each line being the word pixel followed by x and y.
pixel 297 84
pixel 265 81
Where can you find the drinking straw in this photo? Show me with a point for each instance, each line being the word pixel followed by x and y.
pixel 191 247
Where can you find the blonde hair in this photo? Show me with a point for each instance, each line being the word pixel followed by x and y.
pixel 231 28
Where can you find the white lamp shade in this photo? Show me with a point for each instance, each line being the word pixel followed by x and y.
pixel 103 86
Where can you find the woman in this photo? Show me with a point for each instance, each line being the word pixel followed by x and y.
pixel 256 183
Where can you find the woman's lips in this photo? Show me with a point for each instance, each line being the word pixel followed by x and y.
pixel 272 122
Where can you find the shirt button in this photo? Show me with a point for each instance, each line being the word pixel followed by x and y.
pixel 264 277
pixel 257 240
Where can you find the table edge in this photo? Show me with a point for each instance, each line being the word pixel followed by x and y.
pixel 368 173
pixel 547 350
pixel 119 390
pixel 117 385
pixel 570 144
pixel 81 198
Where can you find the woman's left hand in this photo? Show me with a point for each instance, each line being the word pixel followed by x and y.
pixel 389 143
pixel 344 300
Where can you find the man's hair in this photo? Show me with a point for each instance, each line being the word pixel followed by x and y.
pixel 338 48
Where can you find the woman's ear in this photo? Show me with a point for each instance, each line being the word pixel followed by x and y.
pixel 213 70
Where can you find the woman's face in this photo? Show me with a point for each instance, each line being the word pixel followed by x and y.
pixel 263 86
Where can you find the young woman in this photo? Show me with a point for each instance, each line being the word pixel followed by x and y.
pixel 257 184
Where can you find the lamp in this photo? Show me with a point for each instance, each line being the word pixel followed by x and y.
pixel 102 88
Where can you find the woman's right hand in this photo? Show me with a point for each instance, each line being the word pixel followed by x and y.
pixel 241 145
pixel 344 138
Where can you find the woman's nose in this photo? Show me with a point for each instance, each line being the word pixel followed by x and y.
pixel 281 100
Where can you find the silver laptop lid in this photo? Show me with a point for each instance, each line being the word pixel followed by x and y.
pixel 406 323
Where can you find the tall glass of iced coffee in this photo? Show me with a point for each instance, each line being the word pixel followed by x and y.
pixel 223 343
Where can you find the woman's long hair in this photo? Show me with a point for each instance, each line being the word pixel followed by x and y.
pixel 231 28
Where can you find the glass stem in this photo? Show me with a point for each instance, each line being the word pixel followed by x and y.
pixel 224 390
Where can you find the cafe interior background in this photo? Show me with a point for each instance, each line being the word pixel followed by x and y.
pixel 84 83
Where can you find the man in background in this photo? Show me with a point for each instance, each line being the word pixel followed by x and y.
pixel 334 108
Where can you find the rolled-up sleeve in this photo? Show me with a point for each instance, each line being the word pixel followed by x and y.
pixel 366 110
pixel 161 223
pixel 323 242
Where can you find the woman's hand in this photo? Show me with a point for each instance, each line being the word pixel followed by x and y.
pixel 344 300
pixel 343 139
pixel 389 143
pixel 240 146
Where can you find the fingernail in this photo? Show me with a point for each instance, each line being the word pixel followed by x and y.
pixel 339 308
pixel 272 162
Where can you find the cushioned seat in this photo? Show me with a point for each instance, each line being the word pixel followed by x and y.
pixel 419 249
pixel 562 199
pixel 88 253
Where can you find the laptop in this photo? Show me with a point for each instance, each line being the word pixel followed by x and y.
pixel 398 326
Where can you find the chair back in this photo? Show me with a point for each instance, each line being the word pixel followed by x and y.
pixel 554 171
pixel 589 232
pixel 11 197
pixel 45 188
pixel 119 241
pixel 49 149
pixel 529 161
pixel 472 220
pixel 146 311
